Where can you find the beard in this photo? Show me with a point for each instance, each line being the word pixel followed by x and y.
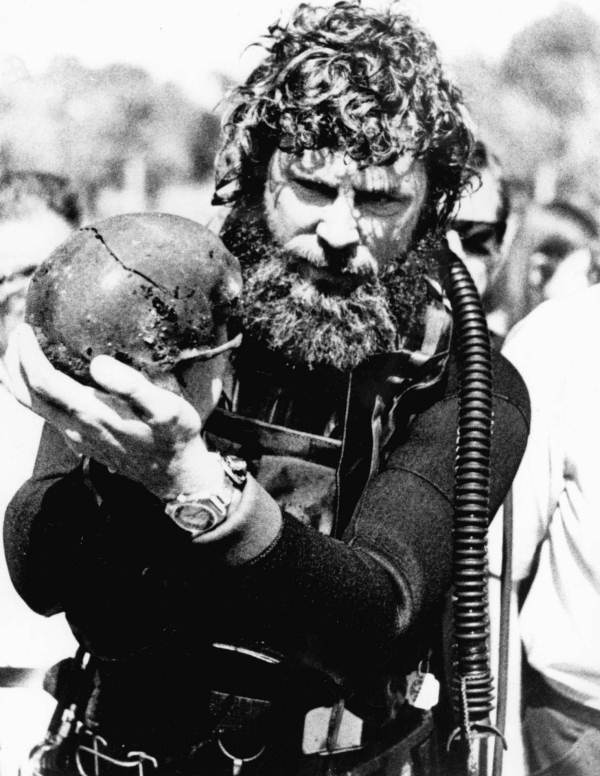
pixel 288 314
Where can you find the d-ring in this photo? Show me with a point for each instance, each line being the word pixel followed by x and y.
pixel 239 762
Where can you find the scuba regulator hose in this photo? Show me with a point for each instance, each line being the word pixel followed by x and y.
pixel 472 688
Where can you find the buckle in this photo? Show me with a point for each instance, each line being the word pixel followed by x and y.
pixel 133 759
pixel 238 761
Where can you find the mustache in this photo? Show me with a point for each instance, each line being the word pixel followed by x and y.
pixel 307 247
pixel 355 261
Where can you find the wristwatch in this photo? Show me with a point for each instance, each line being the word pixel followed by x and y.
pixel 200 512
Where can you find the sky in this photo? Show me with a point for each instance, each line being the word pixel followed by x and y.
pixel 186 40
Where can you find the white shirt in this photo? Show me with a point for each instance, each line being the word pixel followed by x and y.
pixel 27 639
pixel 557 493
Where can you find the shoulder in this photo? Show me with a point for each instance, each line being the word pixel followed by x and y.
pixel 508 386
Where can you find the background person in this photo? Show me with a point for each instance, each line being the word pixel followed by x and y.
pixel 553 254
pixel 481 222
pixel 37 212
pixel 557 538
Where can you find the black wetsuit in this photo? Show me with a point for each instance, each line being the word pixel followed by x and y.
pixel 146 602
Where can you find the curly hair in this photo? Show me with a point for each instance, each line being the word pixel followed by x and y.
pixel 344 77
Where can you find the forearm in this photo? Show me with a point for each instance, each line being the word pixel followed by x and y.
pixel 315 597
pixel 42 526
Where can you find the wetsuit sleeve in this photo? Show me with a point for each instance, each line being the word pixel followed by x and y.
pixel 394 563
pixel 43 526
pixel 344 602
pixel 405 516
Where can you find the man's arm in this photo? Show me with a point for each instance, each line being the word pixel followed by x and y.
pixel 139 430
pixel 43 526
pixel 351 599
pixel 394 565
pixel 408 510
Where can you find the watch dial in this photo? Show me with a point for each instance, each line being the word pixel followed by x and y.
pixel 196 519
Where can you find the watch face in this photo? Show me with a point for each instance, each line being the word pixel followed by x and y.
pixel 198 518
pixel 198 513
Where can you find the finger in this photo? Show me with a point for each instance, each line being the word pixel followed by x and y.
pixel 91 433
pixel 156 405
pixel 41 378
pixel 95 437
pixel 56 396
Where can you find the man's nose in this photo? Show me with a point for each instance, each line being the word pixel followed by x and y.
pixel 337 230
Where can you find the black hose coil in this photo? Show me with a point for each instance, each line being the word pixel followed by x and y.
pixel 472 681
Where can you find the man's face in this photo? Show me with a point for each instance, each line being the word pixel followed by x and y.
pixel 343 225
pixel 476 224
pixel 562 262
pixel 332 271
pixel 552 277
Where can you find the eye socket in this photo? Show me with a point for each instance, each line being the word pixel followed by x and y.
pixel 310 188
pixel 379 202
pixel 478 239
pixel 478 246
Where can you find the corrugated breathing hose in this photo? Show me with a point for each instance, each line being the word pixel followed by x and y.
pixel 472 681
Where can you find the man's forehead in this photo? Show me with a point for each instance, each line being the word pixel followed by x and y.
pixel 336 167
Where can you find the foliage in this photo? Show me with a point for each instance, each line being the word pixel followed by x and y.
pixel 556 62
pixel 91 124
pixel 539 107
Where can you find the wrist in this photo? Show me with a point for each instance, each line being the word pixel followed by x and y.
pixel 253 527
pixel 194 471
pixel 202 511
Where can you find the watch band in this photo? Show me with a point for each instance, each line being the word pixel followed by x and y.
pixel 200 512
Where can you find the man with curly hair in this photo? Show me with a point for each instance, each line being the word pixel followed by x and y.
pixel 269 627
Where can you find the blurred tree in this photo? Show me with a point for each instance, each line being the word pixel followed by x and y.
pixel 204 139
pixel 522 132
pixel 113 126
pixel 206 130
pixel 556 61
pixel 539 106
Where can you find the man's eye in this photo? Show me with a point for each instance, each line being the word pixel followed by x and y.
pixel 316 187
pixel 379 201
pixel 373 196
